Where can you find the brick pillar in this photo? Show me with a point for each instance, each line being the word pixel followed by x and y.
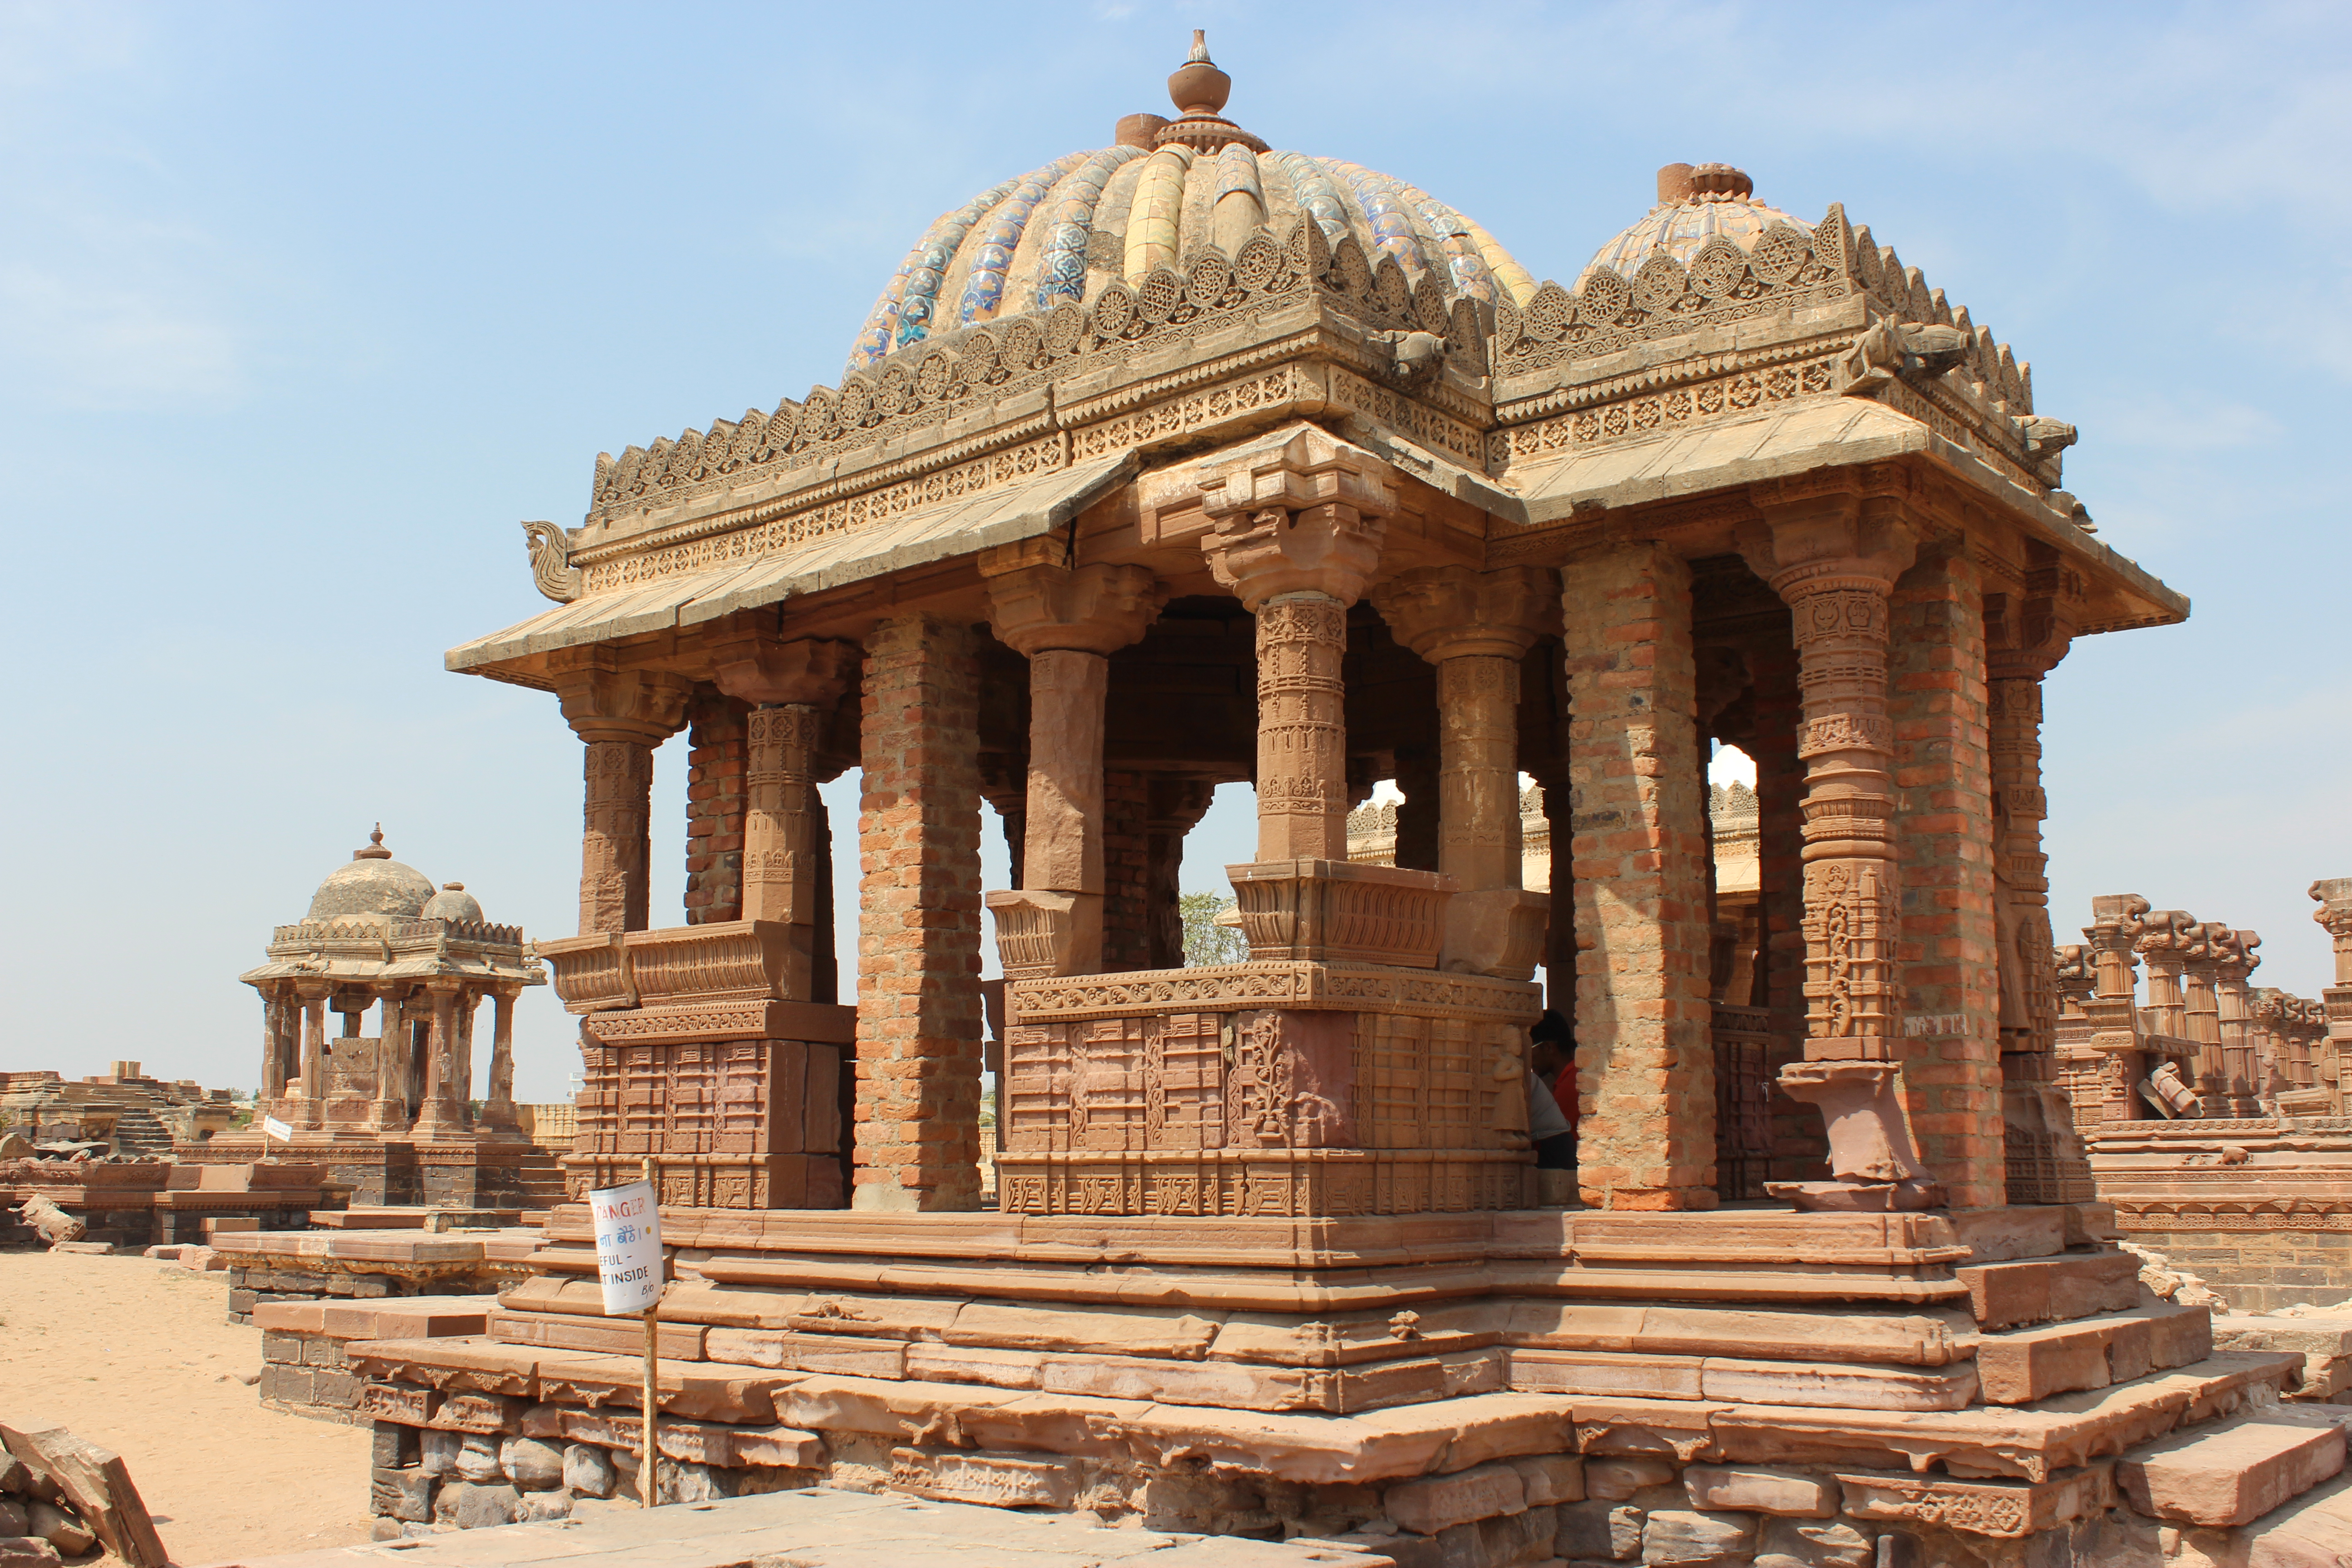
pixel 1944 831
pixel 1126 870
pixel 1644 1056
pixel 622 714
pixel 1833 558
pixel 716 736
pixel 918 1014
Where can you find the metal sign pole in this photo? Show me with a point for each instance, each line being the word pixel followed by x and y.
pixel 652 1391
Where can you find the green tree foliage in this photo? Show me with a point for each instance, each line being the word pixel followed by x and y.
pixel 1206 942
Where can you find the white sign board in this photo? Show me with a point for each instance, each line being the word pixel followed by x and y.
pixel 273 1128
pixel 628 1247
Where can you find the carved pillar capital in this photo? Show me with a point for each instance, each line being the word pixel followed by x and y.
pixel 2333 896
pixel 606 700
pixel 763 668
pixel 1452 612
pixel 1036 608
pixel 1305 513
pixel 1828 545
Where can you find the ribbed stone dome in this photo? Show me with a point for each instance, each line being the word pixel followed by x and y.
pixel 1068 228
pixel 374 883
pixel 1694 204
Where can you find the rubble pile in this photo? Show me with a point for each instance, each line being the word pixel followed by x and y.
pixel 64 1499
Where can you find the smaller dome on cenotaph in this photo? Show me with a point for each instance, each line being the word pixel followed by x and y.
pixel 452 903
pixel 374 883
pixel 1696 203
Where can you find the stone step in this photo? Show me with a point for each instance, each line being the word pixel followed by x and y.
pixel 2050 1289
pixel 2025 1365
pixel 2235 1472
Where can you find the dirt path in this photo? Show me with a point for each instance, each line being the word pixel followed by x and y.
pixel 136 1354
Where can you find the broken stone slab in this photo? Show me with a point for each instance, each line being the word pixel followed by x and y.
pixel 96 1483
pixel 1758 1490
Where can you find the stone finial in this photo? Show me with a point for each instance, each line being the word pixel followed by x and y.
pixel 1197 86
pixel 375 849
pixel 1680 182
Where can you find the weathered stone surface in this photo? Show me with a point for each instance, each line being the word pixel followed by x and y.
pixel 1675 1535
pixel 588 1470
pixel 543 1505
pixel 478 1459
pixel 1550 1478
pixel 474 1506
pixel 1437 1502
pixel 27 1551
pixel 1799 1543
pixel 1599 1530
pixel 392 1445
pixel 13 1519
pixel 438 1451
pixel 2232 1473
pixel 404 1494
pixel 1996 1508
pixel 532 1464
pixel 1760 1490
pixel 59 1529
pixel 96 1483
pixel 1006 1480
pixel 1614 1480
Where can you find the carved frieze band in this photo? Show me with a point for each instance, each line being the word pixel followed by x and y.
pixel 1632 418
pixel 1418 993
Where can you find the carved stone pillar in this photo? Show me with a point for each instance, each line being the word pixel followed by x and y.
pixel 2119 925
pixel 2201 959
pixel 499 1105
pixel 273 1042
pixel 2333 896
pixel 441 1115
pixel 2235 962
pixel 391 1111
pixel 1559 924
pixel 622 714
pixel 797 684
pixel 313 994
pixel 1477 627
pixel 1067 621
pixel 1644 1051
pixel 1835 560
pixel 1297 533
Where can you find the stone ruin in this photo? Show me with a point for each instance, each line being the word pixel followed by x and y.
pixel 123 1112
pixel 2214 1110
pixel 1184 461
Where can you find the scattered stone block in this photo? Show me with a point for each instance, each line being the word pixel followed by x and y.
pixel 1439 1502
pixel 2232 1473
pixel 1550 1479
pixel 556 1504
pixel 27 1551
pixel 96 1483
pixel 1801 1543
pixel 59 1529
pixel 93 1248
pixel 1759 1490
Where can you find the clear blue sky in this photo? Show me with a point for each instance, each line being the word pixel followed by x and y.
pixel 302 308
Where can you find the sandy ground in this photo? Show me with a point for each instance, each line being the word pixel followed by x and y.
pixel 138 1355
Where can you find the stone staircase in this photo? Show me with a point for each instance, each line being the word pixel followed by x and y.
pixel 542 1180
pixel 137 1132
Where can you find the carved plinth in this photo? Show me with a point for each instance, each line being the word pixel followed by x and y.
pixel 1337 912
pixel 1496 930
pixel 736 960
pixel 1870 1148
pixel 1041 934
pixel 1293 1087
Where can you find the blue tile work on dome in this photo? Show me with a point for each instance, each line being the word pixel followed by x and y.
pixel 1315 193
pixel 1062 274
pixel 1384 204
pixel 984 286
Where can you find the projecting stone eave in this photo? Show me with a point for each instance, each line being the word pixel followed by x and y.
pixel 1694 488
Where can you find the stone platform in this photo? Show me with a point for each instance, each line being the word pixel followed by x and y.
pixel 366 1265
pixel 146 1203
pixel 820 1526
pixel 1499 1387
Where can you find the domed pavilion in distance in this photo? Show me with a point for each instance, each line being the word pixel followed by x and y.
pixel 392 1114
pixel 1182 461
